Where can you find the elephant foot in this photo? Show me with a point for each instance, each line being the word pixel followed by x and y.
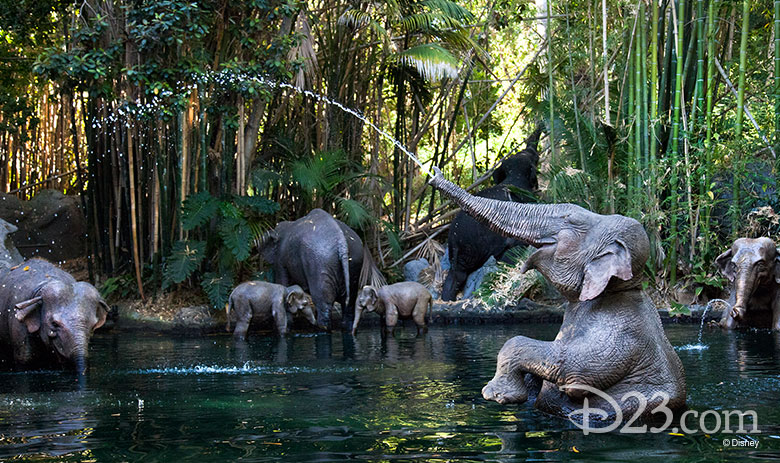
pixel 505 391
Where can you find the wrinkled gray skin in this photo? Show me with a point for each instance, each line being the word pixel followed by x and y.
pixel 752 266
pixel 611 337
pixel 9 256
pixel 404 300
pixel 262 301
pixel 46 317
pixel 323 256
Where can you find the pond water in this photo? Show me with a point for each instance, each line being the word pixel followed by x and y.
pixel 331 398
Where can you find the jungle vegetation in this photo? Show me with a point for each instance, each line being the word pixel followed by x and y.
pixel 165 117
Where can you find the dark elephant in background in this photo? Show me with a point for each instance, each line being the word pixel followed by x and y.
pixel 470 243
pixel 611 339
pixel 323 256
pixel 752 266
pixel 46 317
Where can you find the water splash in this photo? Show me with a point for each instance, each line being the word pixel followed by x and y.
pixel 245 369
pixel 699 345
pixel 161 101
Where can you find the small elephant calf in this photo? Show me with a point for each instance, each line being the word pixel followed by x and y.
pixel 264 300
pixel 403 300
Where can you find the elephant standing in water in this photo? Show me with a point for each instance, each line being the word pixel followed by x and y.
pixel 611 338
pixel 470 244
pixel 47 317
pixel 752 266
pixel 404 300
pixel 262 301
pixel 323 256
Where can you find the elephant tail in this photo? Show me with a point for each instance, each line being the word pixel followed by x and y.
pixel 228 306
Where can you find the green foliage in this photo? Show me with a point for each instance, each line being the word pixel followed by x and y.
pixel 506 286
pixel 217 287
pixel 185 257
pixel 230 225
pixel 679 310
pixel 198 209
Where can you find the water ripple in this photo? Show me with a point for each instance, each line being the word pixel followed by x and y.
pixel 245 369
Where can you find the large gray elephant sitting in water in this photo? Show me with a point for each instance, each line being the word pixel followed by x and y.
pixel 46 317
pixel 323 256
pixel 611 338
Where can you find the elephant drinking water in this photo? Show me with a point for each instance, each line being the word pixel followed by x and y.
pixel 611 338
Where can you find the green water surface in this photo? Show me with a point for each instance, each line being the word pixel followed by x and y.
pixel 329 397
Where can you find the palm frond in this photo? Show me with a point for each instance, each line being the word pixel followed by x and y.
pixel 450 9
pixel 431 60
pixel 353 213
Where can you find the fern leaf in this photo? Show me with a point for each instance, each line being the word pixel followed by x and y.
pixel 185 257
pixel 217 287
pixel 237 236
pixel 257 204
pixel 198 209
pixel 353 213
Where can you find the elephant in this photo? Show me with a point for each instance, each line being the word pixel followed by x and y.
pixel 611 339
pixel 46 317
pixel 320 254
pixel 404 300
pixel 470 243
pixel 752 267
pixel 262 300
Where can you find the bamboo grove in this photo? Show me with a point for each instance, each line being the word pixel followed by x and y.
pixel 168 118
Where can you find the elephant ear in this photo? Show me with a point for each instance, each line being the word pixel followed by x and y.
pixel 374 294
pixel 722 261
pixel 27 312
pixel 777 266
pixel 101 312
pixel 292 294
pixel 614 261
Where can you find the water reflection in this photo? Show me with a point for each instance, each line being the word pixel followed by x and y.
pixel 325 397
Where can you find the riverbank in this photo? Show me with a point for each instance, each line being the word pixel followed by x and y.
pixel 201 320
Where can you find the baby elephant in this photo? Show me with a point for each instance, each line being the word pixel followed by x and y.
pixel 752 267
pixel 264 300
pixel 403 300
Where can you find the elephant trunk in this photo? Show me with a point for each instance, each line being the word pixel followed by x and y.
pixel 531 223
pixel 744 286
pixel 358 313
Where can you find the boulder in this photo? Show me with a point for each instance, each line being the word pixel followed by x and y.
pixel 413 268
pixel 475 279
pixel 9 256
pixel 51 225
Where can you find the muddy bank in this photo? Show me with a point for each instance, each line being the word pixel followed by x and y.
pixel 200 319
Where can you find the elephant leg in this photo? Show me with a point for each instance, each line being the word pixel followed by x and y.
pixel 347 313
pixel 324 306
pixel 453 283
pixel 418 315
pixel 391 318
pixel 242 325
pixel 518 356
pixel 776 313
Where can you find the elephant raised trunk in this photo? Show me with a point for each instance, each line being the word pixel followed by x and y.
pixel 531 223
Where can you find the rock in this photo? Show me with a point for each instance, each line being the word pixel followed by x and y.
pixel 9 256
pixel 194 318
pixel 51 225
pixel 413 268
pixel 475 279
pixel 445 260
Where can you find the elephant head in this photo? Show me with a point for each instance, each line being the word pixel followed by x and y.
pixel 65 316
pixel 367 300
pixel 298 301
pixel 749 263
pixel 583 254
